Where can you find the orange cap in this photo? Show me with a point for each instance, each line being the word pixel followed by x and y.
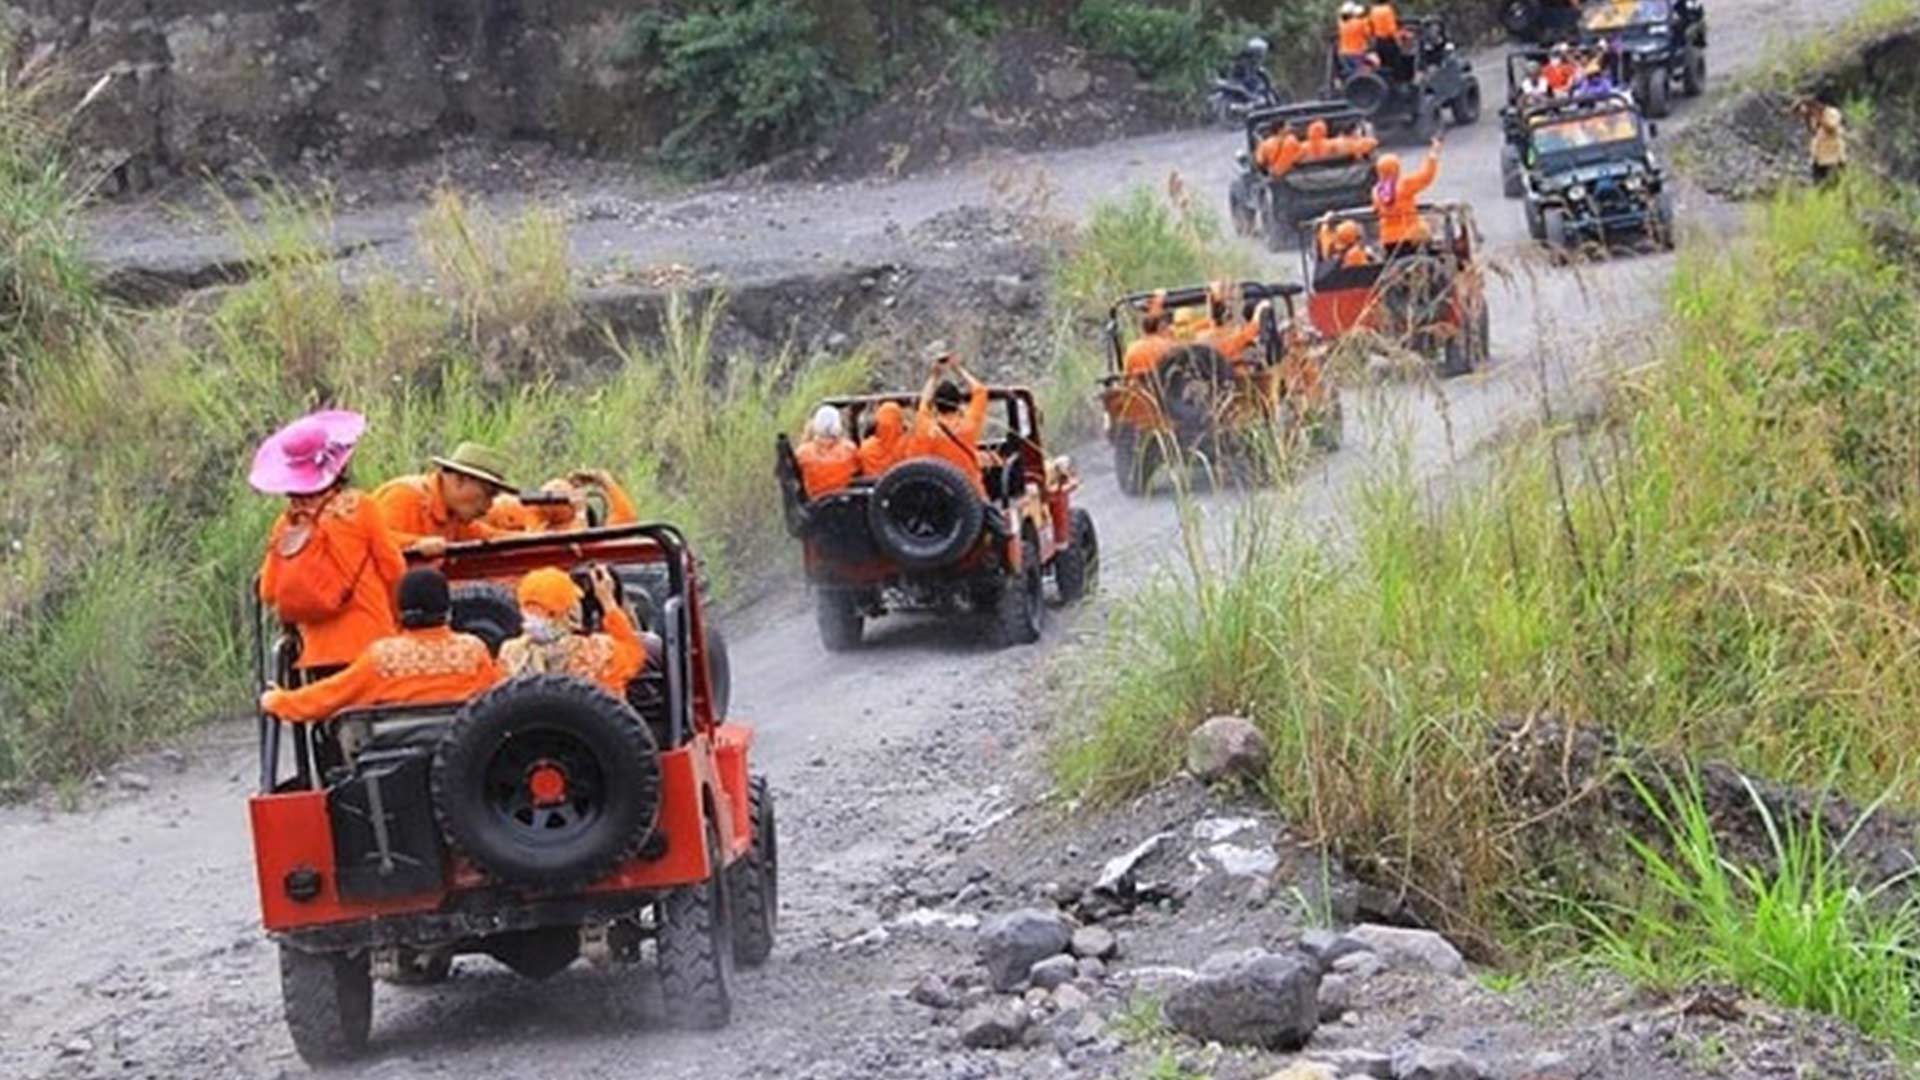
pixel 549 591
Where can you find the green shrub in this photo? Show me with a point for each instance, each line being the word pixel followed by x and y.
pixel 1178 48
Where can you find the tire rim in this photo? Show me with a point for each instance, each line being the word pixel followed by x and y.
pixel 545 787
pixel 922 511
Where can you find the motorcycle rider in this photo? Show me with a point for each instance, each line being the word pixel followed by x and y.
pixel 1248 72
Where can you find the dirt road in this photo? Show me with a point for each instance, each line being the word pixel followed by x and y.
pixel 128 937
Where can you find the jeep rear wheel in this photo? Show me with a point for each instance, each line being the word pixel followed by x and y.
pixel 837 614
pixel 925 513
pixel 547 783
pixel 1466 107
pixel 1132 462
pixel 695 948
pixel 328 999
pixel 1510 183
pixel 756 882
pixel 1077 569
pixel 1023 598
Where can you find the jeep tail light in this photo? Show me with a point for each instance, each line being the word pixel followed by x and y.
pixel 302 883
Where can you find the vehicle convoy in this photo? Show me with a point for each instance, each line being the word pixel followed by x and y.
pixel 1274 207
pixel 542 821
pixel 1653 47
pixel 924 536
pixel 1429 297
pixel 1411 91
pixel 1589 175
pixel 1197 403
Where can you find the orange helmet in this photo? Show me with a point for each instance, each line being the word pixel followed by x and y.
pixel 1389 166
pixel 548 591
pixel 1348 233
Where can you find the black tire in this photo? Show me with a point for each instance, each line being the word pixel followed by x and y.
pixel 1367 92
pixel 837 614
pixel 1536 221
pixel 719 670
pixel 422 969
pixel 1426 120
pixel 1279 225
pixel 491 764
pixel 1511 184
pixel 1132 462
pixel 1022 609
pixel 1661 221
pixel 488 611
pixel 1412 293
pixel 1553 229
pixel 1077 569
pixel 756 882
pixel 695 949
pixel 1693 81
pixel 1520 18
pixel 328 998
pixel 925 513
pixel 1193 382
pixel 1658 101
pixel 1466 107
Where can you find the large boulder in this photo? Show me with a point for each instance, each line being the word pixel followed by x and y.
pixel 1010 944
pixel 1225 748
pixel 1250 998
pixel 1404 948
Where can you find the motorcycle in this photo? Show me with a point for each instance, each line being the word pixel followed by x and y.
pixel 1231 100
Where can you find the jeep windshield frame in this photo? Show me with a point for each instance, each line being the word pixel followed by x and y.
pixel 1569 155
pixel 1601 18
pixel 682 629
pixel 1190 297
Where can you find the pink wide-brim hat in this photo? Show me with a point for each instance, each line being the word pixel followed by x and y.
pixel 308 455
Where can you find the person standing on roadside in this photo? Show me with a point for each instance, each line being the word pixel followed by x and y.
pixel 1827 146
pixel 331 567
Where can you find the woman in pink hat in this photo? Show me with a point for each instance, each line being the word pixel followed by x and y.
pixel 331 568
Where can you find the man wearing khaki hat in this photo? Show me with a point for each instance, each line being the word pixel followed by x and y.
pixel 426 512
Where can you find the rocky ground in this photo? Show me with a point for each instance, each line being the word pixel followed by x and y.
pixel 944 915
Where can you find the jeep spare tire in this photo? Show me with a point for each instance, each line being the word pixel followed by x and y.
pixel 547 783
pixel 925 513
pixel 1367 92
pixel 1194 382
pixel 488 611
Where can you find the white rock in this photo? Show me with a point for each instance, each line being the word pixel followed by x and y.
pixel 1402 947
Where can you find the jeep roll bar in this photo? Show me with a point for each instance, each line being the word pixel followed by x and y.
pixel 1457 216
pixel 1250 292
pixel 1341 117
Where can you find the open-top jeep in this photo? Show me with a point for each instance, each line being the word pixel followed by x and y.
pixel 1198 404
pixel 1275 207
pixel 543 821
pixel 1430 299
pixel 1411 91
pixel 925 536
pixel 1590 176
pixel 1654 45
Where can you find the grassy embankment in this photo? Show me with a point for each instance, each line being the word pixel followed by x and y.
pixel 129 534
pixel 1727 566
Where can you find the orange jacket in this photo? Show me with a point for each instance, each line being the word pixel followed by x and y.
pixel 413 508
pixel 826 465
pixel 1277 154
pixel 509 514
pixel 1144 355
pixel 883 449
pixel 957 441
pixel 433 665
pixel 1232 341
pixel 611 658
pixel 1384 21
pixel 1396 199
pixel 1560 75
pixel 364 562
pixel 1356 37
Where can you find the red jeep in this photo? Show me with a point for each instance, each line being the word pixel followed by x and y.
pixel 1430 299
pixel 544 821
pixel 922 537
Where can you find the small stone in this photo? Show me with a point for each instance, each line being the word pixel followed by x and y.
pixel 175 759
pixel 133 781
pixel 1227 747
pixel 1355 1063
pixel 1433 1063
pixel 77 1046
pixel 933 992
pixel 1360 965
pixel 993 1027
pixel 1035 998
pixel 1053 971
pixel 1249 998
pixel 1010 944
pixel 1095 942
pixel 1336 997
pixel 1402 947
pixel 1306 1070
pixel 1548 1061
pixel 1091 970
pixel 1070 998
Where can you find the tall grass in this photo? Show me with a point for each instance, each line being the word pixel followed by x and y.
pixel 131 535
pixel 1798 930
pixel 1724 566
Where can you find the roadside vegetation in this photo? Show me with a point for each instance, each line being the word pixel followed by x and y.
pixel 1724 565
pixel 128 536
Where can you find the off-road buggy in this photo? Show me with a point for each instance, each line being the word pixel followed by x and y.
pixel 543 821
pixel 1655 45
pixel 1589 175
pixel 1409 92
pixel 1197 405
pixel 922 536
pixel 1430 299
pixel 1274 208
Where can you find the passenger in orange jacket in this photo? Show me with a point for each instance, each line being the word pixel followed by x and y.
pixel 941 429
pixel 1278 152
pixel 1155 341
pixel 1384 22
pixel 1396 198
pixel 1355 37
pixel 425 663
pixel 828 459
pixel 1233 342
pixel 1344 244
pixel 550 642
pixel 510 514
pixel 1321 148
pixel 884 448
pixel 1562 70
